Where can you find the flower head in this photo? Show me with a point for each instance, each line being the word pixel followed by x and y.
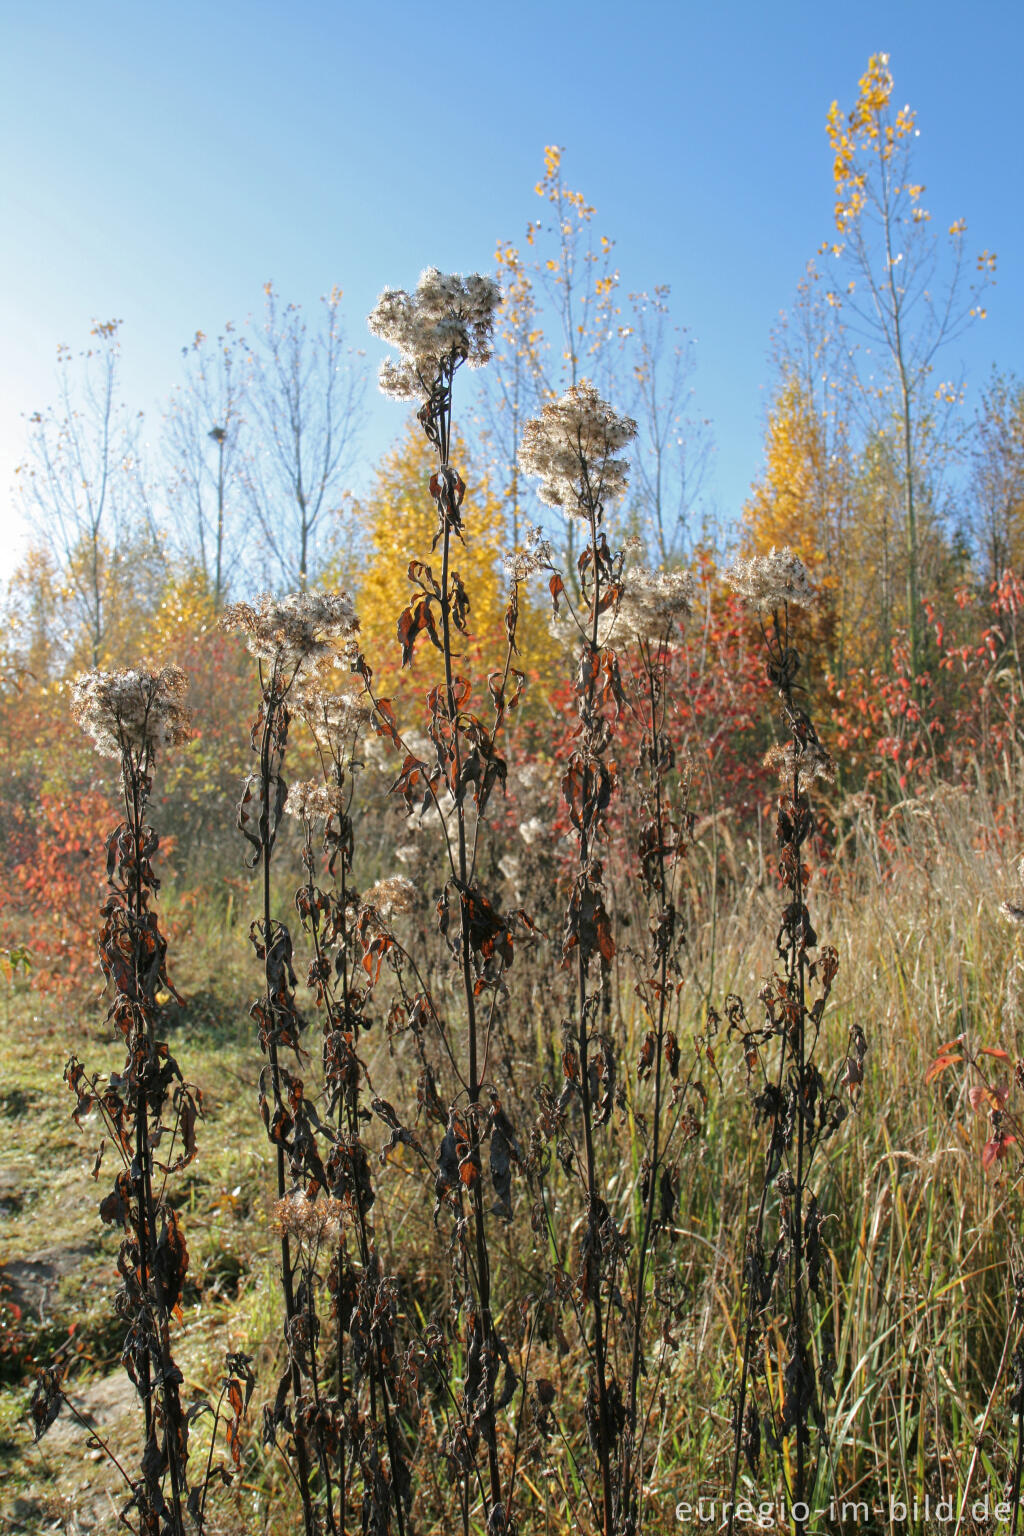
pixel 393 894
pixel 772 580
pixel 534 556
pixel 335 718
pixel 810 763
pixel 132 710
pixel 654 603
pixel 447 321
pixel 309 1221
pixel 571 448
pixel 304 627
pixel 313 800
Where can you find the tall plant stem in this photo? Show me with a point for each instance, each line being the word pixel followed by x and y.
pixel 482 1255
pixel 301 1459
pixel 628 1492
pixel 145 1048
pixel 600 1350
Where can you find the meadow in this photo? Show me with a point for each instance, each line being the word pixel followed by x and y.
pixel 579 1090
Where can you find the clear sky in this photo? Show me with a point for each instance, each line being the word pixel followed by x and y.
pixel 161 162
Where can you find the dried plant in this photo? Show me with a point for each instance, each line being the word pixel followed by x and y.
pixel 446 322
pixel 291 638
pixel 133 716
pixel 787 1264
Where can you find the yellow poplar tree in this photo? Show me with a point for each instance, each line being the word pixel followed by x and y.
pixel 802 500
pixel 400 519
pixel 786 504
pixel 907 295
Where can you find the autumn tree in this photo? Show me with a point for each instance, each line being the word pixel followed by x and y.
pixel 562 320
pixel 803 496
pixel 400 522
pixel 905 294
pixel 85 495
pixel 996 484
pixel 673 445
pixel 205 453
pixel 305 403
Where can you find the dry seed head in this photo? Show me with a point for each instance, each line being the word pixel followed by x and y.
pixel 654 603
pixel 534 556
pixel 566 630
pixel 772 580
pixel 309 1221
pixel 391 895
pixel 334 718
pixel 571 449
pixel 447 321
pixel 301 628
pixel 132 710
pixel 811 763
pixel 313 800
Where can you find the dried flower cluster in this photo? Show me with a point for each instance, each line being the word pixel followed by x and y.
pixel 309 1221
pixel 772 580
pixel 654 603
pixel 571 448
pixel 567 629
pixel 808 763
pixel 448 320
pixel 137 711
pixel 313 800
pixel 534 556
pixel 288 631
pixel 393 894
pixel 334 718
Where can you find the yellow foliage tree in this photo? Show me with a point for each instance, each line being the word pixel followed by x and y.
pixel 794 501
pixel 903 294
pixel 400 519
pixel 802 500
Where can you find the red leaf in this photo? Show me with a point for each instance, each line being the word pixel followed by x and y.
pixel 939 1065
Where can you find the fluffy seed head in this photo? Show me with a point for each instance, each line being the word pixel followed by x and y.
pixel 571 449
pixel 394 894
pixel 813 762
pixel 772 580
pixel 534 556
pixel 289 631
pixel 449 320
pixel 654 603
pixel 313 800
pixel 137 711
pixel 335 718
pixel 309 1221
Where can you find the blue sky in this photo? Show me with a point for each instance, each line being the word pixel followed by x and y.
pixel 160 163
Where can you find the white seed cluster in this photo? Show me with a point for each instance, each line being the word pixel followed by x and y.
pixel 571 449
pixel 393 894
pixel 568 632
pixel 335 719
pixel 313 800
pixel 534 556
pixel 304 627
pixel 773 580
pixel 811 763
pixel 447 321
pixel 654 603
pixel 133 710
pixel 310 1221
